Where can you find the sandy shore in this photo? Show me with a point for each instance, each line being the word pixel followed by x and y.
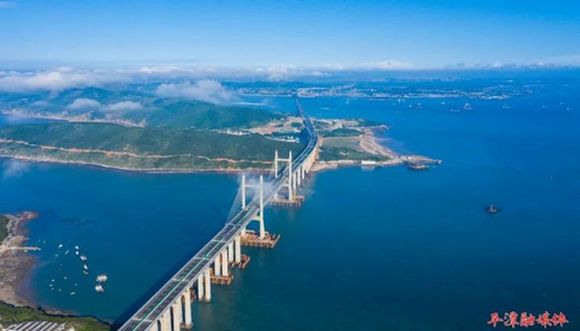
pixel 15 262
pixel 369 143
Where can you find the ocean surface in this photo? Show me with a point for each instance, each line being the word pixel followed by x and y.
pixel 382 249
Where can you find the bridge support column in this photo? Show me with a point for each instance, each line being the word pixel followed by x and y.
pixel 262 226
pixel 200 290
pixel 276 164
pixel 238 249
pixel 187 323
pixel 225 270
pixel 207 280
pixel 243 191
pixel 295 181
pixel 166 321
pixel 290 184
pixel 231 252
pixel 299 175
pixel 177 315
pixel 217 270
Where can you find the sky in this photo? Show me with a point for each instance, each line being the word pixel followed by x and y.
pixel 337 34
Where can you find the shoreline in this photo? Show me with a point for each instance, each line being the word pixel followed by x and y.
pixel 15 262
pixel 135 170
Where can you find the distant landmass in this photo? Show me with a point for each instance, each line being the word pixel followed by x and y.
pixel 136 129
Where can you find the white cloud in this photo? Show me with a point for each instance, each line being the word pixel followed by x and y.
pixel 14 168
pixel 385 65
pixel 204 90
pixel 124 106
pixel 84 103
pixel 562 60
pixel 7 4
pixel 56 80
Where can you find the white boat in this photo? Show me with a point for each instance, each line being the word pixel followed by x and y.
pixel 99 288
pixel 83 258
pixel 86 267
pixel 102 278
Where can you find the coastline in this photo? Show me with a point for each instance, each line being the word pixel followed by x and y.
pixel 371 144
pixel 15 262
pixel 367 141
pixel 137 170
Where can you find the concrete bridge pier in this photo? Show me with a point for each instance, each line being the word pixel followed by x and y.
pixel 166 321
pixel 225 264
pixel 187 319
pixel 200 288
pixel 176 315
pixel 238 250
pixel 231 252
pixel 217 270
pixel 207 287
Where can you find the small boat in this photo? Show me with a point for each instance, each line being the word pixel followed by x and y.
pixel 492 209
pixel 85 267
pixel 417 166
pixel 83 258
pixel 85 272
pixel 102 278
pixel 73 293
pixel 59 245
pixel 99 288
pixel 76 248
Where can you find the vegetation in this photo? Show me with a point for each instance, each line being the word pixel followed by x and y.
pixel 342 132
pixel 140 148
pixel 330 153
pixel 152 110
pixel 10 315
pixel 3 227
pixel 196 114
pixel 347 148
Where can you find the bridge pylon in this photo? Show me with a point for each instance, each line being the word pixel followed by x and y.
pixel 296 175
pixel 259 216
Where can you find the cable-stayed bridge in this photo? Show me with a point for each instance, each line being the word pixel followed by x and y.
pixel 169 309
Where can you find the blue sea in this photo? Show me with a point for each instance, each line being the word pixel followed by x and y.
pixel 382 249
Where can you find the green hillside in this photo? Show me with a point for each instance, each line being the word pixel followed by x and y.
pixel 159 148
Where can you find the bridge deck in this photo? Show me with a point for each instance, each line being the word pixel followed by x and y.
pixel 153 309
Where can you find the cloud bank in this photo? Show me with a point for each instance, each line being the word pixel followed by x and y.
pixel 209 89
pixel 84 103
pixel 117 107
pixel 124 106
pixel 204 90
pixel 57 80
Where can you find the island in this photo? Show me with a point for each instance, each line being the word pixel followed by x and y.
pixel 156 134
